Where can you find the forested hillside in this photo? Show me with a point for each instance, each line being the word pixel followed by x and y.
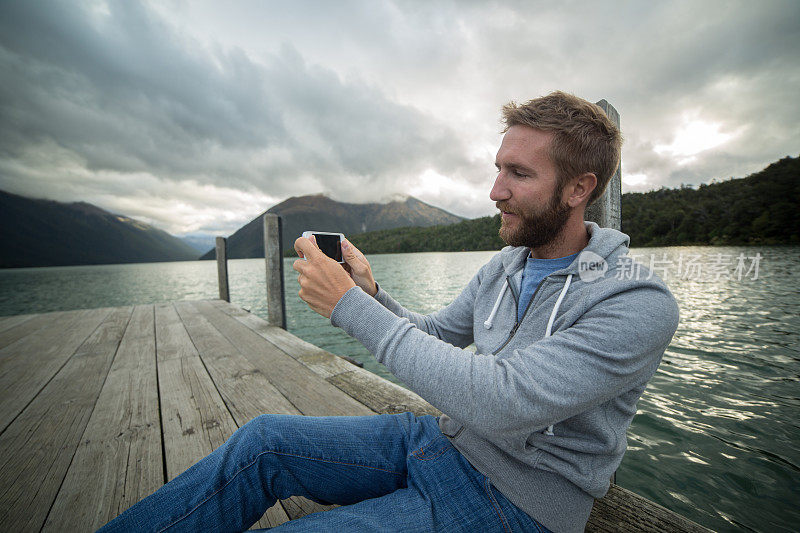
pixel 476 234
pixel 35 233
pixel 759 209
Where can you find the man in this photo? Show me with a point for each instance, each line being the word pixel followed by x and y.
pixel 534 420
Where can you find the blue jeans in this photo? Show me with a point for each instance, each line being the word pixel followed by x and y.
pixel 389 473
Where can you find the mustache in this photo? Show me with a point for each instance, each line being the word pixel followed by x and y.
pixel 502 205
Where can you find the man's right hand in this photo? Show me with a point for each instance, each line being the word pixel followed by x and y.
pixel 358 268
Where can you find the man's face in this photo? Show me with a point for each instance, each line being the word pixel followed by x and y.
pixel 526 189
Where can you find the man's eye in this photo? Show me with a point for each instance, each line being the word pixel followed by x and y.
pixel 519 174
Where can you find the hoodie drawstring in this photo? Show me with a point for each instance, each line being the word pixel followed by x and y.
pixel 547 333
pixel 488 323
pixel 558 304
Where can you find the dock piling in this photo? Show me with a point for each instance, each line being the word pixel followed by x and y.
pixel 222 268
pixel 606 211
pixel 273 255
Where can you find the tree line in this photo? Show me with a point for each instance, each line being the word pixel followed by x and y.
pixel 759 209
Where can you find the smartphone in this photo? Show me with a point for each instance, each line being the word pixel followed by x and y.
pixel 329 243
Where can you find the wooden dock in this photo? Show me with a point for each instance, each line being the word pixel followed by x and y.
pixel 100 407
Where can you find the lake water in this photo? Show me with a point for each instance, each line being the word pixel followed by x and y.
pixel 716 437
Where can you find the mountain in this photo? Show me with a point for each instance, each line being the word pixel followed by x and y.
pixel 758 209
pixel 199 241
pixel 37 232
pixel 320 213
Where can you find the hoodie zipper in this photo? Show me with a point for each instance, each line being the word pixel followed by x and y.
pixel 524 314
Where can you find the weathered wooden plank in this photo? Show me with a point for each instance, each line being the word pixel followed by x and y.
pixel 38 446
pixel 245 400
pixel 373 391
pixel 321 362
pixel 295 506
pixel 8 322
pixel 193 414
pixel 623 511
pixel 246 390
pixel 298 506
pixel 25 328
pixel 307 391
pixel 293 346
pixel 381 395
pixel 376 393
pixel 6 318
pixel 29 363
pixel 119 459
pixel 275 516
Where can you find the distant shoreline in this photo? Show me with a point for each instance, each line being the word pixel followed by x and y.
pixel 290 254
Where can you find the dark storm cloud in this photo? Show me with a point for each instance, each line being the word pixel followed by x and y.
pixel 124 93
pixel 145 106
pixel 736 64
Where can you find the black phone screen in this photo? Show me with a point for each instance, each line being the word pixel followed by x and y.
pixel 330 246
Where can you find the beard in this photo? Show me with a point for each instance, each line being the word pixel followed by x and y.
pixel 536 229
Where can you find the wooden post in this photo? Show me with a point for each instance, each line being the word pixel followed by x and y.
pixel 606 211
pixel 222 268
pixel 273 255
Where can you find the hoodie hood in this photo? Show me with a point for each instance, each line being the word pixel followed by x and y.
pixel 608 243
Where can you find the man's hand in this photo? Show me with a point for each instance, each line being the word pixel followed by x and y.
pixel 322 280
pixel 358 268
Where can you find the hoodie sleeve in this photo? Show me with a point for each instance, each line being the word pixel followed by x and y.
pixel 614 346
pixel 451 324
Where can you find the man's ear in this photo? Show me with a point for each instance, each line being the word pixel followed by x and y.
pixel 581 188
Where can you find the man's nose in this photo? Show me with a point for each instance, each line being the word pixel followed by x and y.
pixel 499 190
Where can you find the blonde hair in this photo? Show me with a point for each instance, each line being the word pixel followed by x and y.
pixel 584 138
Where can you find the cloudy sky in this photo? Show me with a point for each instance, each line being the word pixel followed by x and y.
pixel 197 116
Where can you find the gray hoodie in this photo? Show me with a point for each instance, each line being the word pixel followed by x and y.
pixel 542 406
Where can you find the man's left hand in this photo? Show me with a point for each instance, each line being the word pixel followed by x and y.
pixel 322 280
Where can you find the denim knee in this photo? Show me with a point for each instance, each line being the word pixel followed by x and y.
pixel 263 432
pixel 260 424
